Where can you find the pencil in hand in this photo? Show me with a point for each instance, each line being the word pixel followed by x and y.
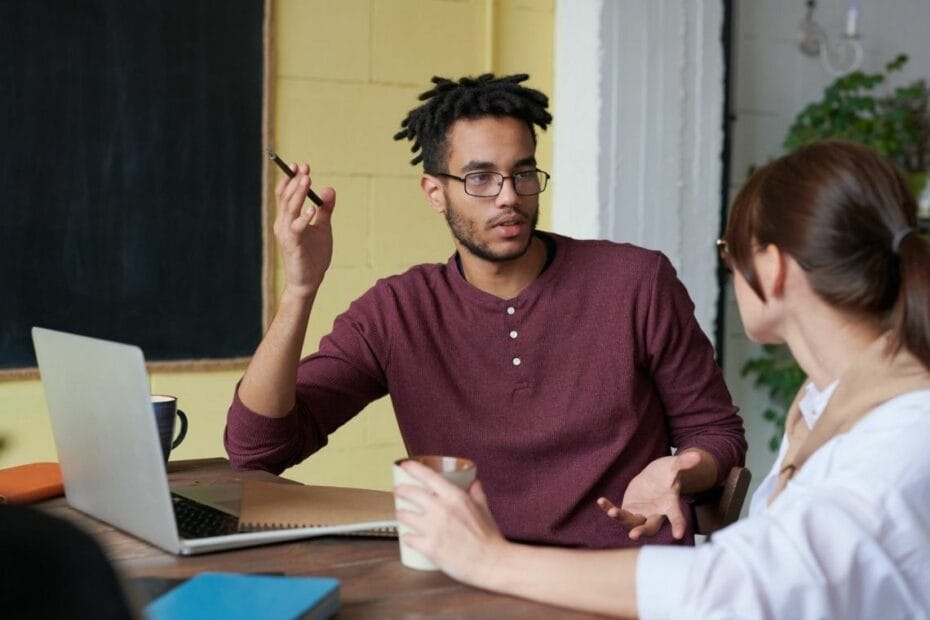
pixel 290 173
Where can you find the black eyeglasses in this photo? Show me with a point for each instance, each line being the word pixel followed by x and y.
pixel 489 184
pixel 724 254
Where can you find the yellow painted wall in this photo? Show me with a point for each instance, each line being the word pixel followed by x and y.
pixel 346 72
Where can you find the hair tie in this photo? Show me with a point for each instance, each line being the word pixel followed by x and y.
pixel 899 237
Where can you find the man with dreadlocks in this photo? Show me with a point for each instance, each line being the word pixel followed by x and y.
pixel 567 370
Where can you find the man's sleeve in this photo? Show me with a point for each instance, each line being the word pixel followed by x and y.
pixel 681 361
pixel 333 385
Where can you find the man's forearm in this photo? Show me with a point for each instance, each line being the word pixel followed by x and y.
pixel 269 382
pixel 702 476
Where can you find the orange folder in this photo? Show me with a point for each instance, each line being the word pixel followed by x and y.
pixel 31 482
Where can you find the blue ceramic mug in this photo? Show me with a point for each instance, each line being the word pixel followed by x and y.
pixel 166 411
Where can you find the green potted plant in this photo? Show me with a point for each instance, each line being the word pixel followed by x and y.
pixel 859 107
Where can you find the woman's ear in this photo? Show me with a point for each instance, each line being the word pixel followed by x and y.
pixel 772 270
pixel 433 190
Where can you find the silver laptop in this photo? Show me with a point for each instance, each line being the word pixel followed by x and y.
pixel 100 406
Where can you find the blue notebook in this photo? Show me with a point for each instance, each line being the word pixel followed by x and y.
pixel 231 596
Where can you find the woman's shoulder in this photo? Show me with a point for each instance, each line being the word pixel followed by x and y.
pixel 888 447
pixel 900 415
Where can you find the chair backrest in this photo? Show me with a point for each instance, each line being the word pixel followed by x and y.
pixel 721 506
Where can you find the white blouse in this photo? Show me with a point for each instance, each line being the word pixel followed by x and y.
pixel 849 537
pixel 812 405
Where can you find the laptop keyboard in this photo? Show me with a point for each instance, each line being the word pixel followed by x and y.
pixel 196 520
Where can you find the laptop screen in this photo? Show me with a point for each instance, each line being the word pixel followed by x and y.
pixel 99 402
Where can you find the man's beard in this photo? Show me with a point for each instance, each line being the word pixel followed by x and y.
pixel 465 232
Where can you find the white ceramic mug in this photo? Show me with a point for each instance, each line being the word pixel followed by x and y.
pixel 460 472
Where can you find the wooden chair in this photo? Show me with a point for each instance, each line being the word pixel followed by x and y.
pixel 720 507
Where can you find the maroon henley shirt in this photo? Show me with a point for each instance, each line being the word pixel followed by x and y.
pixel 560 395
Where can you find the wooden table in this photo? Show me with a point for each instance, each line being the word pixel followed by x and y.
pixel 374 582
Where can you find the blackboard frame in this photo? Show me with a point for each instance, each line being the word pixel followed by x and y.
pixel 267 239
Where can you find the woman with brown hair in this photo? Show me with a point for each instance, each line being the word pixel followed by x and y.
pixel 826 259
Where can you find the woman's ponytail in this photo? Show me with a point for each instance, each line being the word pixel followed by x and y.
pixel 910 319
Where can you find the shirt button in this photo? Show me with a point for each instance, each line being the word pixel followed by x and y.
pixel 511 310
pixel 516 361
pixel 513 334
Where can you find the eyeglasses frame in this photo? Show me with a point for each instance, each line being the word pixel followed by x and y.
pixel 500 188
pixel 724 254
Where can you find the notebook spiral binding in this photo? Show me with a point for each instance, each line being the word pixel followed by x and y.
pixel 378 532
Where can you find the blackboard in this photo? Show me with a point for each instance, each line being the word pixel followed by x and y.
pixel 131 174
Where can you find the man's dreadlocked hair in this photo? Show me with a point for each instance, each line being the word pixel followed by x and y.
pixel 449 101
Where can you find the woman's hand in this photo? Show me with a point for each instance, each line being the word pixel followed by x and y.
pixel 455 529
pixel 457 532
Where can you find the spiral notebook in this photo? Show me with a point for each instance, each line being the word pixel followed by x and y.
pixel 273 505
